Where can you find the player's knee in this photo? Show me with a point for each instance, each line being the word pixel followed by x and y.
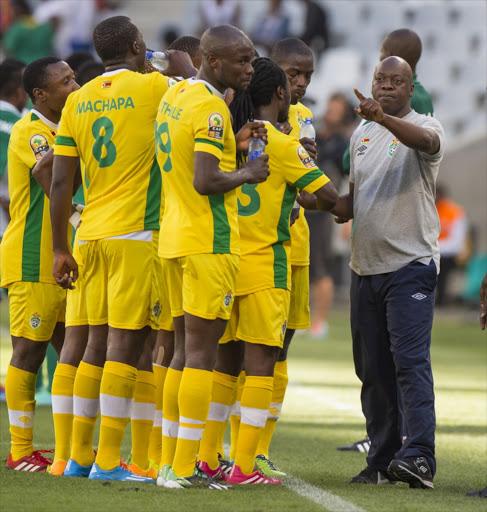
pixel 27 354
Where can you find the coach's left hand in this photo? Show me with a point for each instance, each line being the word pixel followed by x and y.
pixel 369 109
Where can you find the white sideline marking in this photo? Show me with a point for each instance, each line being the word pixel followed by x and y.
pixel 320 496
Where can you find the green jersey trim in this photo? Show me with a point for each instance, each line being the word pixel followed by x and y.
pixel 209 90
pixel 34 117
pixel 308 178
pixel 153 200
pixel 31 246
pixel 221 226
pixel 283 235
pixel 62 140
pixel 219 145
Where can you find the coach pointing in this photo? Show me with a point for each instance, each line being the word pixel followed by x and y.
pixel 394 260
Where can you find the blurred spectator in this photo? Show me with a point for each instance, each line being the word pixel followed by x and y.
pixel 76 59
pixel 6 15
pixel 73 23
pixel 88 70
pixel 13 99
pixel 273 27
pixel 167 36
pixel 453 240
pixel 316 33
pixel 26 39
pixel 218 12
pixel 338 123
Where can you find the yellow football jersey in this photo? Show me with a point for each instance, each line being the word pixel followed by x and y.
pixel 264 214
pixel 193 117
pixel 26 249
pixel 109 124
pixel 300 230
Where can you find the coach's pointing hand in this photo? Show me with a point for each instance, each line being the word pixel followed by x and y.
pixel 369 109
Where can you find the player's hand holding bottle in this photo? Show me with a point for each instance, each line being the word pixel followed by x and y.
pixel 257 170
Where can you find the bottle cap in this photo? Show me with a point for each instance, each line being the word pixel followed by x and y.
pixel 308 120
pixel 148 54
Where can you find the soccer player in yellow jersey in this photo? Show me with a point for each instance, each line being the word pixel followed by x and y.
pixel 199 240
pixel 260 313
pixel 36 303
pixel 108 124
pixel 296 59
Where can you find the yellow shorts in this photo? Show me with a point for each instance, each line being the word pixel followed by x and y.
pixel 299 315
pixel 119 283
pixel 165 321
pixel 202 285
pixel 156 299
pixel 76 312
pixel 259 317
pixel 35 309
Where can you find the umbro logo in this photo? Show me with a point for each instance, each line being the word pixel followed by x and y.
pixel 418 296
pixel 361 150
pixel 423 469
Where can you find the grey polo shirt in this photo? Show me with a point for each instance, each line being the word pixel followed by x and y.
pixel 395 217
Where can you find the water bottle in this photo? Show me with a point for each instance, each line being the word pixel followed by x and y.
pixel 308 130
pixel 158 59
pixel 256 148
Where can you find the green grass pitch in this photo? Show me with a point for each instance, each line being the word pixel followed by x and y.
pixel 321 411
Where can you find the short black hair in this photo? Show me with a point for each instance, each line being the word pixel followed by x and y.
pixel 289 46
pixel 188 44
pixel 36 76
pixel 114 37
pixel 77 58
pixel 89 70
pixel 10 76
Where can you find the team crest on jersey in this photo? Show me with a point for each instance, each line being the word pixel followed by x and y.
pixel 300 118
pixel 35 321
pixel 305 158
pixel 156 309
pixel 215 126
pixel 284 327
pixel 106 84
pixel 227 300
pixel 393 147
pixel 363 146
pixel 39 145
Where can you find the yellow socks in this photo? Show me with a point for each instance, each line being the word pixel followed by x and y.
pixel 142 417
pixel 278 392
pixel 62 409
pixel 254 407
pixel 221 400
pixel 86 406
pixel 155 443
pixel 20 390
pixel 194 403
pixel 235 417
pixel 170 416
pixel 116 394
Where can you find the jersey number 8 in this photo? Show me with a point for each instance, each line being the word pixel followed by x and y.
pixel 104 149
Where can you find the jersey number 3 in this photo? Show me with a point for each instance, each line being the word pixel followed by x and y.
pixel 104 149
pixel 254 204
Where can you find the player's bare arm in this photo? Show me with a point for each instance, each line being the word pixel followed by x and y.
pixel 210 180
pixel 42 173
pixel 65 268
pixel 324 199
pixel 411 135
pixel 179 64
pixel 251 130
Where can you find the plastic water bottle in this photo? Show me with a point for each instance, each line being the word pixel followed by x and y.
pixel 158 59
pixel 256 148
pixel 308 130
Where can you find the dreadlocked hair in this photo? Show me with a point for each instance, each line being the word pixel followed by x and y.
pixel 267 77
